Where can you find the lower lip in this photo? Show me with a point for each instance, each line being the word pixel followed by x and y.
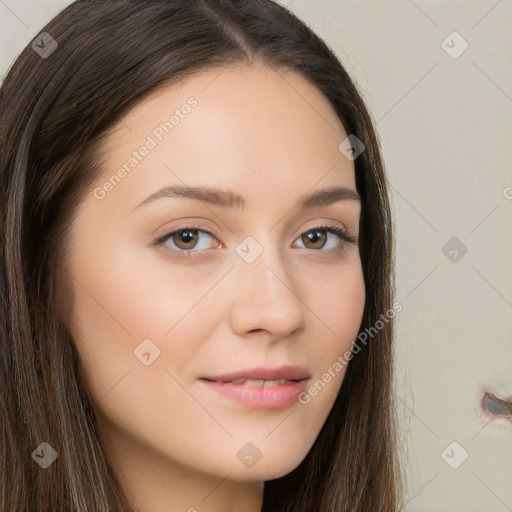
pixel 273 398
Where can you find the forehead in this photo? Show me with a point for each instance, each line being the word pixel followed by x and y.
pixel 255 90
pixel 246 126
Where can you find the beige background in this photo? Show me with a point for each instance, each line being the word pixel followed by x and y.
pixel 446 132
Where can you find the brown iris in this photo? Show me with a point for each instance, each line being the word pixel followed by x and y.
pixel 314 237
pixel 186 238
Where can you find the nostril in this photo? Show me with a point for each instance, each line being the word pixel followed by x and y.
pixel 496 407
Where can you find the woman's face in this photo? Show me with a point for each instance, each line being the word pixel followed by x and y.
pixel 249 282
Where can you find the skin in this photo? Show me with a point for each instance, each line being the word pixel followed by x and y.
pixel 270 137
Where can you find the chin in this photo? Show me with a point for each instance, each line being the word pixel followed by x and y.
pixel 271 468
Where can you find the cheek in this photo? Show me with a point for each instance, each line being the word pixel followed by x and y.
pixel 125 304
pixel 337 305
pixel 119 300
pixel 345 307
pixel 337 312
pixel 135 296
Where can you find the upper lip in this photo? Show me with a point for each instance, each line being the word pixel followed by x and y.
pixel 289 372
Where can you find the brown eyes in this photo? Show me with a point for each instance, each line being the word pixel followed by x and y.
pixel 186 241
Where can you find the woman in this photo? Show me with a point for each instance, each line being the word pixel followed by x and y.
pixel 195 228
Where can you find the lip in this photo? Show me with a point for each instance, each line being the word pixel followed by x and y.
pixel 288 372
pixel 271 398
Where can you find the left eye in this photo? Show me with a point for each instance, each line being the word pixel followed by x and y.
pixel 319 236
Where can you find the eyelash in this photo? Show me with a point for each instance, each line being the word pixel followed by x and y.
pixel 161 241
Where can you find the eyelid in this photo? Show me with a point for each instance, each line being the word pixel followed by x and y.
pixel 341 232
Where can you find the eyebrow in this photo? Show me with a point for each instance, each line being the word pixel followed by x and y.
pixel 229 199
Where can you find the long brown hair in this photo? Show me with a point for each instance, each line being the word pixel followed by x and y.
pixel 55 112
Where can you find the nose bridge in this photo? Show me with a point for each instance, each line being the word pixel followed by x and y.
pixel 265 297
pixel 266 274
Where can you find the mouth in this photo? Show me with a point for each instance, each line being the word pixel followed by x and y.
pixel 255 383
pixel 263 376
pixel 263 388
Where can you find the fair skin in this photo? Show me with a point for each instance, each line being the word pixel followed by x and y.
pixel 271 138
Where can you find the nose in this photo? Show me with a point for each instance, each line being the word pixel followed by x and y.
pixel 265 299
